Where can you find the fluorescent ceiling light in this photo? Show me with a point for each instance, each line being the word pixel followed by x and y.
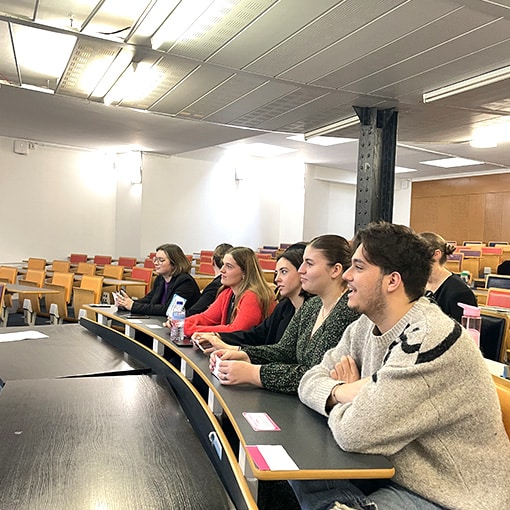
pixel 42 52
pixel 491 134
pixel 403 170
pixel 325 141
pixel 137 81
pixel 469 84
pixel 113 73
pixel 341 124
pixel 452 162
pixel 265 150
pixel 37 89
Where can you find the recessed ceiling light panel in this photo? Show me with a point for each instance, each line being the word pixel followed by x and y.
pixel 452 162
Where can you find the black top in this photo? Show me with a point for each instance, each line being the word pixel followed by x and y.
pixel 183 284
pixel 268 331
pixel 452 291
pixel 208 296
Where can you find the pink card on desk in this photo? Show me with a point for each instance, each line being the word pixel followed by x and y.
pixel 271 457
pixel 261 421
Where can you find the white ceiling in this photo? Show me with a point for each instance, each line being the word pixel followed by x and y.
pixel 264 69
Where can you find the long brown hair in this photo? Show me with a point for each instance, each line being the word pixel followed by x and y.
pixel 253 279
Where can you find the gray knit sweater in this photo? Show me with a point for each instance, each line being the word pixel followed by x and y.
pixel 430 407
pixel 284 363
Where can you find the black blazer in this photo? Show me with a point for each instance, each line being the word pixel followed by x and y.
pixel 209 294
pixel 183 284
pixel 269 331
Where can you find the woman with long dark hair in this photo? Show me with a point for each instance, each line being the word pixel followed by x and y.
pixel 291 297
pixel 317 326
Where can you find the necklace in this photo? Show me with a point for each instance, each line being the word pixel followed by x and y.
pixel 324 314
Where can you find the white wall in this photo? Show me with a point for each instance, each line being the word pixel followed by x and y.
pixel 199 204
pixel 57 200
pixel 330 202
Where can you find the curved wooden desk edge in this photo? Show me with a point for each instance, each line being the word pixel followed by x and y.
pixel 301 474
pixel 259 474
pixel 97 328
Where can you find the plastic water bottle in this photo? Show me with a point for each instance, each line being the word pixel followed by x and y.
pixel 178 316
pixel 472 321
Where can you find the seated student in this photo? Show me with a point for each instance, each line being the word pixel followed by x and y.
pixel 317 326
pixel 446 288
pixel 210 292
pixel 244 299
pixel 408 382
pixel 504 268
pixel 288 284
pixel 172 268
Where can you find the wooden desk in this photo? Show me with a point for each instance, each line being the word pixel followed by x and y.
pixel 14 288
pixel 481 296
pixel 317 457
pixel 69 350
pixel 101 443
pixel 114 282
pixel 304 434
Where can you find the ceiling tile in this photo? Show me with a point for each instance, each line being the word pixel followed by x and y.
pixel 366 46
pixel 250 109
pixel 338 22
pixel 197 84
pixel 267 31
pixel 213 30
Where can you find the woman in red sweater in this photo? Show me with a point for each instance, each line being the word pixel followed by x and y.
pixel 243 301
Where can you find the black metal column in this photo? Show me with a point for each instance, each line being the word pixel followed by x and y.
pixel 376 165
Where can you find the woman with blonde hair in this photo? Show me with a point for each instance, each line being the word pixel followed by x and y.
pixel 243 301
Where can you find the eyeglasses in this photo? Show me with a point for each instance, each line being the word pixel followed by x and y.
pixel 159 260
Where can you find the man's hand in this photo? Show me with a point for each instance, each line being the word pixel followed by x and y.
pixel 345 370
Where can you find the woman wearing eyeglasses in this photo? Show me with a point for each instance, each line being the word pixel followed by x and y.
pixel 172 268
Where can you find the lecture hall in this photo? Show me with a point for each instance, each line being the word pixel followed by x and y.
pixel 138 137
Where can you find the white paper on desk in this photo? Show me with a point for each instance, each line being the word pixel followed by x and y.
pixel 135 321
pixel 153 326
pixel 272 456
pixel 21 335
pixel 260 421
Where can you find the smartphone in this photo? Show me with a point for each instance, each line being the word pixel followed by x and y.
pixel 202 346
pixel 185 342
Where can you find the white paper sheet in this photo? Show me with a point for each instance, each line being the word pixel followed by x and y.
pixel 21 335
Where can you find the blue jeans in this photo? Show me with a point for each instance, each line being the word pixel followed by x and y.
pixel 322 495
